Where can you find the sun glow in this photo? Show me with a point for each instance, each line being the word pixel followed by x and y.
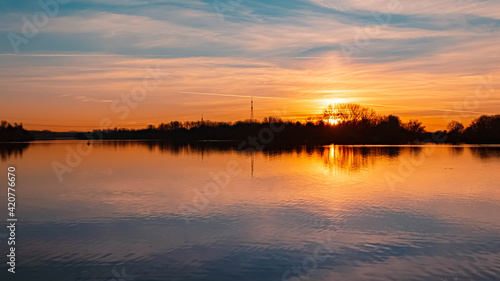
pixel 333 121
pixel 333 102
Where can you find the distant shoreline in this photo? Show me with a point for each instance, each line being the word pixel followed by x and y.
pixel 238 141
pixel 348 124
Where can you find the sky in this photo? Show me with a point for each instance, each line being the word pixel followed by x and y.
pixel 81 65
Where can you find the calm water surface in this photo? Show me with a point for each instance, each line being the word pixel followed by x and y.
pixel 149 211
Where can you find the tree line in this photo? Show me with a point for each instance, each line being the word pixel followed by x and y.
pixel 346 123
pixel 340 124
pixel 13 132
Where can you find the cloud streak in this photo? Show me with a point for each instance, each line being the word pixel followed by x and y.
pixel 425 52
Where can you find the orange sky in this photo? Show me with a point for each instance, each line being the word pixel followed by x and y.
pixel 426 61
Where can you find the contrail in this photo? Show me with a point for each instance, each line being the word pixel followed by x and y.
pixel 80 55
pixel 367 104
pixel 239 96
pixel 427 108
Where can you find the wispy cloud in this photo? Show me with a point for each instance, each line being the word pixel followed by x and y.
pixel 93 52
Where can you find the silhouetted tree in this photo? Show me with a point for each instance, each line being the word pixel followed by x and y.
pixel 329 114
pixel 414 126
pixel 352 113
pixel 10 133
pixel 455 127
pixel 272 119
pixel 485 129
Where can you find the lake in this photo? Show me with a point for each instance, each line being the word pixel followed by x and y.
pixel 133 210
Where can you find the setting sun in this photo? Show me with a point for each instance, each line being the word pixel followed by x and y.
pixel 333 121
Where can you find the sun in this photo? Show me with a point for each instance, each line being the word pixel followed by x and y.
pixel 333 121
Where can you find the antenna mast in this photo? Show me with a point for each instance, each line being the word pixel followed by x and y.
pixel 251 110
